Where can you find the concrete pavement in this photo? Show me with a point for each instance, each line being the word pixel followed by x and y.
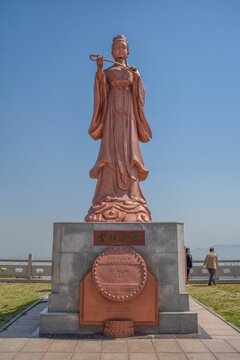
pixel 216 340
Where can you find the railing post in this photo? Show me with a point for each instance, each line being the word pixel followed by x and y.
pixel 29 268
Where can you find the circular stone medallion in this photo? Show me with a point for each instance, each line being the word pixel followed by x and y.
pixel 119 273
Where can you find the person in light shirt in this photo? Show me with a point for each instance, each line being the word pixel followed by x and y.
pixel 210 262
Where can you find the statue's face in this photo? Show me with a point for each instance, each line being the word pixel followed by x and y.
pixel 120 50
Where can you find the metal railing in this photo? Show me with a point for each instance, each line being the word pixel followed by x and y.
pixel 28 270
pixel 228 271
pixel 35 270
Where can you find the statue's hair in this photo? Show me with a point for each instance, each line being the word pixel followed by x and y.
pixel 121 37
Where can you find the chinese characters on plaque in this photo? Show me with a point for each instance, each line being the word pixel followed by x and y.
pixel 119 237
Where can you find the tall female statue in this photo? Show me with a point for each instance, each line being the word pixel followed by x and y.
pixel 119 121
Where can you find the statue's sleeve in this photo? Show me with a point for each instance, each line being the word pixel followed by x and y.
pixel 144 131
pixel 99 109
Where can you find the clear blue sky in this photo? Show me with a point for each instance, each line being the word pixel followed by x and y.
pixel 188 55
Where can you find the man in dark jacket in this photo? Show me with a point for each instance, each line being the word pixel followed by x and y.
pixel 189 262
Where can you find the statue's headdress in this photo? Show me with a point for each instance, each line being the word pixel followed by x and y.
pixel 120 37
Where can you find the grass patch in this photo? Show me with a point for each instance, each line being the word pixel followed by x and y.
pixel 18 277
pixel 223 299
pixel 16 297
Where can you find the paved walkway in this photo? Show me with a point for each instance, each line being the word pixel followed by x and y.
pixel 216 340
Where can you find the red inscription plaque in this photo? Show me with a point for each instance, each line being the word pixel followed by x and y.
pixel 120 273
pixel 95 309
pixel 112 237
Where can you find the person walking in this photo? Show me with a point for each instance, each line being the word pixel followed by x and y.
pixel 189 262
pixel 210 262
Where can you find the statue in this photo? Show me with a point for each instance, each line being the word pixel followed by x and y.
pixel 119 121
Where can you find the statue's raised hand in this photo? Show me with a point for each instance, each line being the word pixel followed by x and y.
pixel 100 62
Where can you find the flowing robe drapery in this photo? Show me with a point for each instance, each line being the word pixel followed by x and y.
pixel 119 120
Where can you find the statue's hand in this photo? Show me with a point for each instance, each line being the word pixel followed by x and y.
pixel 133 68
pixel 100 62
pixel 135 71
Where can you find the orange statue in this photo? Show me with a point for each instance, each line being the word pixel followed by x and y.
pixel 119 120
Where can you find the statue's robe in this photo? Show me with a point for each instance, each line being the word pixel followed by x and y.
pixel 119 120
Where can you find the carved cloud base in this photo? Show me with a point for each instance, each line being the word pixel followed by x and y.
pixel 117 210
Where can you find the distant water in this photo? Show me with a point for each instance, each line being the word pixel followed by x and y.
pixel 225 252
pixel 220 277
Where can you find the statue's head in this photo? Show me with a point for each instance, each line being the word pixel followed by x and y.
pixel 120 47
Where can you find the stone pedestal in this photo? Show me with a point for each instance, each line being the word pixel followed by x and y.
pixel 74 254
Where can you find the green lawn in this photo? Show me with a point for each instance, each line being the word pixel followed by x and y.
pixel 16 297
pixel 223 299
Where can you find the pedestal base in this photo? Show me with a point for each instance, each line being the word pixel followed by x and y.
pixel 74 253
pixel 179 322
